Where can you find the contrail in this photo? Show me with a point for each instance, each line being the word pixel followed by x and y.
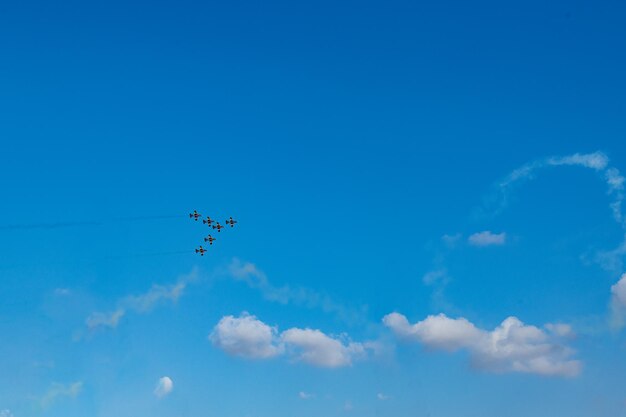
pixel 140 255
pixel 58 225
pixel 130 219
pixel 48 225
pixel 98 258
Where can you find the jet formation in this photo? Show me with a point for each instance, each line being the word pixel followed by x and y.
pixel 212 224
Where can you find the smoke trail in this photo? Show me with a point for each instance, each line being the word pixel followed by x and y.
pixel 136 218
pixel 59 225
pixel 142 255
pixel 49 225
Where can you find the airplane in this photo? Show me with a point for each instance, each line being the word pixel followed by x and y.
pixel 231 222
pixel 201 251
pixel 195 215
pixel 208 221
pixel 218 226
pixel 209 239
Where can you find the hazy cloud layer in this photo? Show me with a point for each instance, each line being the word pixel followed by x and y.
pixel 58 391
pixel 510 347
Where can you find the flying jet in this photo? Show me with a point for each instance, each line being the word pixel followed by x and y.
pixel 208 221
pixel 231 221
pixel 218 226
pixel 201 251
pixel 195 215
pixel 209 239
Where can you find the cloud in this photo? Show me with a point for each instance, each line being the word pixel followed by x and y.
pixel 305 395
pixel 256 279
pixel 560 330
pixel 382 397
pixel 111 320
pixel 618 303
pixel 248 337
pixel 142 303
pixel 57 391
pixel 61 292
pixel 165 385
pixel 437 332
pixel 318 349
pixel 510 347
pixel 6 413
pixel 487 238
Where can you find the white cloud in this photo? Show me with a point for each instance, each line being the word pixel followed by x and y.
pixel 510 347
pixel 347 406
pixel 316 348
pixel 436 332
pixel 560 329
pixel 487 238
pixel 246 336
pixel 165 385
pixel 382 397
pixel 619 291
pixel 305 395
pixel 142 303
pixel 618 303
pixel 6 413
pixel 57 391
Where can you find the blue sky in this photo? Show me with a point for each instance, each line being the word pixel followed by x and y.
pixel 429 200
